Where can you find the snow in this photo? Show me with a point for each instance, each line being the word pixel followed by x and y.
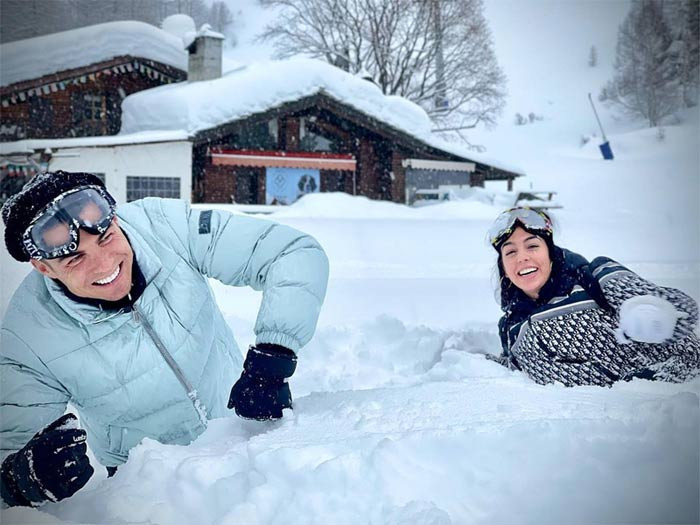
pixel 342 205
pixel 256 88
pixel 399 418
pixel 249 20
pixel 36 57
pixel 179 25
pixel 204 31
pixel 392 456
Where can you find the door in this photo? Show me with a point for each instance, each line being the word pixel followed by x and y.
pixel 246 186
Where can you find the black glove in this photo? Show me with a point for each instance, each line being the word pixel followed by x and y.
pixel 51 467
pixel 262 392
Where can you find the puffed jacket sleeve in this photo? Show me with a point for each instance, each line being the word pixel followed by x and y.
pixel 618 284
pixel 287 265
pixel 31 397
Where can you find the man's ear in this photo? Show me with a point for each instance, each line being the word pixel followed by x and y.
pixel 43 268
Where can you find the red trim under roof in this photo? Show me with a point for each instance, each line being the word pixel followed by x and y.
pixel 283 159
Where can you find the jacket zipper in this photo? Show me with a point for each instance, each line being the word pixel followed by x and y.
pixel 189 389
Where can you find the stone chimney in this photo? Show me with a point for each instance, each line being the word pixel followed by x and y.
pixel 205 55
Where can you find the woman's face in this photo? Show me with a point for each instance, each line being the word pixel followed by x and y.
pixel 526 261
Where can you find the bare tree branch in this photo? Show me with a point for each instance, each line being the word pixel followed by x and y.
pixel 397 43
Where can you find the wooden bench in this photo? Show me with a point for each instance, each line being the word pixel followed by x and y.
pixel 537 200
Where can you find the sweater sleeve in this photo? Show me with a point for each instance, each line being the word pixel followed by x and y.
pixel 618 284
pixel 287 265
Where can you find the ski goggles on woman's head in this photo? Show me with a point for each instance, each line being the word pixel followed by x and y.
pixel 506 222
pixel 55 231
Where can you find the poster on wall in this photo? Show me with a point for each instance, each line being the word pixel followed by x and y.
pixel 286 185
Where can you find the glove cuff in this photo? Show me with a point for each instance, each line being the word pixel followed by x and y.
pixel 270 361
pixel 9 490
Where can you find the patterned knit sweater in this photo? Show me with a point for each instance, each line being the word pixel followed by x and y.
pixel 567 334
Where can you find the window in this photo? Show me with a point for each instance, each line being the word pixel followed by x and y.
pixel 140 187
pixel 89 114
pixel 257 135
pixel 312 137
pixel 93 108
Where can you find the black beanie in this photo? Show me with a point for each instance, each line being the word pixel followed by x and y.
pixel 22 207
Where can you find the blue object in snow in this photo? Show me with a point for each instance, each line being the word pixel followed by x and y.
pixel 606 150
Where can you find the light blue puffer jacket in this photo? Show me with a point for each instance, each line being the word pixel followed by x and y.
pixel 108 364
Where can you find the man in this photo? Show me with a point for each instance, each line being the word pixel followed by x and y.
pixel 119 320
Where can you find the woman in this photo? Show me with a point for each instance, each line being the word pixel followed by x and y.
pixel 580 323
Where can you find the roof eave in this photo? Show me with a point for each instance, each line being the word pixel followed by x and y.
pixel 65 74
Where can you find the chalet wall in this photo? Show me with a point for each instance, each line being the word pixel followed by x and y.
pixel 226 184
pixel 477 179
pixel 117 162
pixel 398 188
pixel 366 166
pixel 289 133
pixel 220 183
pixel 333 180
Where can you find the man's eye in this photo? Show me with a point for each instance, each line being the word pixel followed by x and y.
pixel 74 260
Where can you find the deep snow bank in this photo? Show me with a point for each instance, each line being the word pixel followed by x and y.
pixel 495 449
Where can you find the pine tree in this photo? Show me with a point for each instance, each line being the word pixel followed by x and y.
pixel 646 79
pixel 220 16
pixel 684 19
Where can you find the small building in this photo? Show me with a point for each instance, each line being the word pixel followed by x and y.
pixel 268 132
pixel 132 166
pixel 72 84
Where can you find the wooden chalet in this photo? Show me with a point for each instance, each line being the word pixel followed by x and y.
pixel 353 152
pixel 76 101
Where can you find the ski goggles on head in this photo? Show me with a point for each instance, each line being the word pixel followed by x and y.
pixel 55 231
pixel 505 223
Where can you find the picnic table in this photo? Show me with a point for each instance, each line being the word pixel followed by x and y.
pixel 537 199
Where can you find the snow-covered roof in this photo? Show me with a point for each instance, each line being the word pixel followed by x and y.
pixel 30 145
pixel 35 57
pixel 259 87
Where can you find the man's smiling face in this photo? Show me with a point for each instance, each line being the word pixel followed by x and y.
pixel 100 268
